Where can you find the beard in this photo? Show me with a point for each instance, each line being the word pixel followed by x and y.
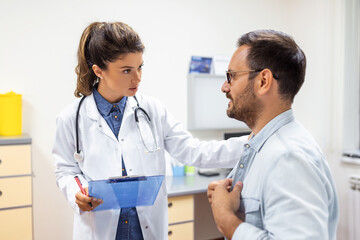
pixel 245 107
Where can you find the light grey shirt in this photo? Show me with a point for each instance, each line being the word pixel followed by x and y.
pixel 288 191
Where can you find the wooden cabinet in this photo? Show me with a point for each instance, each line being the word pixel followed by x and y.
pixel 16 223
pixel 181 217
pixel 15 189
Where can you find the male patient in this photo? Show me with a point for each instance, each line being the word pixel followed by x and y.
pixel 282 187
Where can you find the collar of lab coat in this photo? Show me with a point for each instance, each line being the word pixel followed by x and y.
pixel 93 113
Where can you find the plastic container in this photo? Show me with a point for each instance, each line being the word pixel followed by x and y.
pixel 178 171
pixel 189 170
pixel 10 114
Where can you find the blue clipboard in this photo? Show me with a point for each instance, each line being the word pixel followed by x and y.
pixel 125 192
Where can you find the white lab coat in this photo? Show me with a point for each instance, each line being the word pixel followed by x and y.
pixel 102 159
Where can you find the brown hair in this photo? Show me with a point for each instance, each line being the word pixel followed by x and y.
pixel 101 43
pixel 278 52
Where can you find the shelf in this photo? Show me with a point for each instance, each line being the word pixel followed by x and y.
pixel 207 104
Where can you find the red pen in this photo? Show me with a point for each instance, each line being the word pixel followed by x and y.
pixel 81 187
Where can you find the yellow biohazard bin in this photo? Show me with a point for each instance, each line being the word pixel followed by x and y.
pixel 10 114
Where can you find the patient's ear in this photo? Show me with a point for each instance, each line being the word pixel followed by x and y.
pixel 264 82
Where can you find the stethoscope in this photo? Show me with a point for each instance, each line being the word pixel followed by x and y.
pixel 145 125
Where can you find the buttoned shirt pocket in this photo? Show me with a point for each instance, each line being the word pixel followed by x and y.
pixel 251 207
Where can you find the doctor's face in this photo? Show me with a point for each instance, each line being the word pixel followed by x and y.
pixel 121 77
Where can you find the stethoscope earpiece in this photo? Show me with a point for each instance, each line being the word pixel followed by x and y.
pixel 79 156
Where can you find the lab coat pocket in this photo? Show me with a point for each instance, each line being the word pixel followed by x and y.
pixel 252 209
pixel 153 162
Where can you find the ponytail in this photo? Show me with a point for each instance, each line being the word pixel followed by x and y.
pixel 85 75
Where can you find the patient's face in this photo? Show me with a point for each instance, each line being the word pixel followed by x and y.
pixel 244 105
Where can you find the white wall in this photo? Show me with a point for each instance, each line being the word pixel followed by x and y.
pixel 38 55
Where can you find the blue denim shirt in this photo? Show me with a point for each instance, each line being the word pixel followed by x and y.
pixel 111 112
pixel 128 225
pixel 288 192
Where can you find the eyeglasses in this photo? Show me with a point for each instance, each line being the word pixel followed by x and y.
pixel 231 74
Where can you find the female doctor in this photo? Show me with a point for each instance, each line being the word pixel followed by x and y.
pixel 113 130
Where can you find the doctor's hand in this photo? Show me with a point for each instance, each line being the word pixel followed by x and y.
pixel 85 202
pixel 225 205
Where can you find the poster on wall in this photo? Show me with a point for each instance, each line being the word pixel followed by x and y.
pixel 200 65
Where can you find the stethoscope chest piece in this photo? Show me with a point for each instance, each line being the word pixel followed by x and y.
pixel 79 156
